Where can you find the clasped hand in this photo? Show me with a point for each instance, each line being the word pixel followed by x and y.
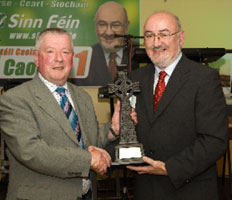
pixel 100 161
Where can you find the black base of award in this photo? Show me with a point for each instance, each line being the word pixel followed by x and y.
pixel 129 154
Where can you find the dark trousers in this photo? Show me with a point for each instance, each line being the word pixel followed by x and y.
pixel 87 196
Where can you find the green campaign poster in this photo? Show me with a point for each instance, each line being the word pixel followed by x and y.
pixel 22 20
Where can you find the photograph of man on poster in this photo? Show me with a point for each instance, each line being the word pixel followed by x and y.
pixel 111 19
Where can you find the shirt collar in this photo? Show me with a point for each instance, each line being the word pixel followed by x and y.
pixel 119 54
pixel 51 86
pixel 170 68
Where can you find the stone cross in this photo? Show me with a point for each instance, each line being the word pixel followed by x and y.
pixel 123 88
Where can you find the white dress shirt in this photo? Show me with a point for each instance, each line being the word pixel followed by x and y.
pixel 118 58
pixel 169 69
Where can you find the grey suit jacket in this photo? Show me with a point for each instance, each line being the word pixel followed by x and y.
pixel 188 132
pixel 46 160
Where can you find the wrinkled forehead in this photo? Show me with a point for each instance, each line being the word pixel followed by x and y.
pixel 161 22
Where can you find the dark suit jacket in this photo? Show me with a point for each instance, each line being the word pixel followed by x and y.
pixel 46 160
pixel 188 132
pixel 98 72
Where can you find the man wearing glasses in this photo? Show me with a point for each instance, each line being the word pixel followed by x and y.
pixel 111 19
pixel 182 119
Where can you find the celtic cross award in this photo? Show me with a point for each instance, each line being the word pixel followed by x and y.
pixel 128 151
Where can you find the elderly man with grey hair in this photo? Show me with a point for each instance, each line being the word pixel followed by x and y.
pixel 51 130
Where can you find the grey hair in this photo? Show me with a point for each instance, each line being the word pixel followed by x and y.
pixel 41 35
pixel 178 22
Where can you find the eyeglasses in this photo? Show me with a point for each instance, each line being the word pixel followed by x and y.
pixel 161 35
pixel 115 26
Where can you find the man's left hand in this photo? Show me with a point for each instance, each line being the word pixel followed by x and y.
pixel 155 167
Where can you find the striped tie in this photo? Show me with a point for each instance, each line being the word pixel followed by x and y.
pixel 70 114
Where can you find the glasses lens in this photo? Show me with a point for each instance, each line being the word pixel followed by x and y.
pixel 102 25
pixel 116 26
pixel 149 35
pixel 163 35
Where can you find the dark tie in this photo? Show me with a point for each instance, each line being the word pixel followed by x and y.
pixel 113 65
pixel 160 87
pixel 70 114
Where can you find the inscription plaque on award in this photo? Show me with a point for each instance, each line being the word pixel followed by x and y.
pixel 128 151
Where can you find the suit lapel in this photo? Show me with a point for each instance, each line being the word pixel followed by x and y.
pixel 99 66
pixel 177 79
pixel 147 89
pixel 78 101
pixel 48 103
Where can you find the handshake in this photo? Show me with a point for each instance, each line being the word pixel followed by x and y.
pixel 100 161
